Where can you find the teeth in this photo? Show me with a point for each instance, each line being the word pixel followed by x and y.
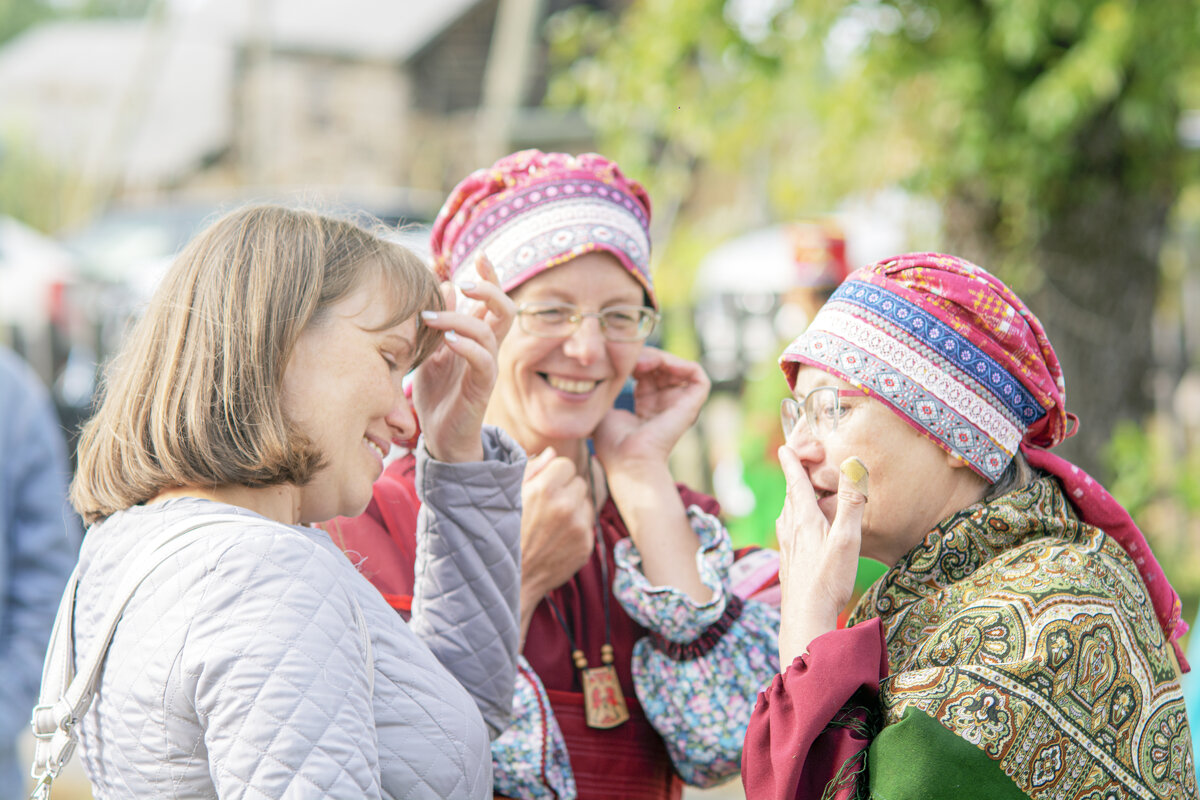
pixel 377 448
pixel 574 387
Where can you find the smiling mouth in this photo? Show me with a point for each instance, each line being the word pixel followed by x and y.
pixel 375 447
pixel 569 386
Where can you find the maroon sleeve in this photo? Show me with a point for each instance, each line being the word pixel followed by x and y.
pixel 810 721
pixel 382 541
pixel 690 497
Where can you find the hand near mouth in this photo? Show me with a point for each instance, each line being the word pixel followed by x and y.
pixel 818 559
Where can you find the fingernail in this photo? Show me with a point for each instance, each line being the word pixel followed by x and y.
pixel 466 286
pixel 451 336
pixel 429 315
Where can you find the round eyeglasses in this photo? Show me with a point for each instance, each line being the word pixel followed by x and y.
pixel 821 409
pixel 560 320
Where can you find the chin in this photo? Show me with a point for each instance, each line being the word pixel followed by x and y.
pixel 567 426
pixel 356 506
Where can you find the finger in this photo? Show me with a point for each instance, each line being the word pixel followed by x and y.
pixel 480 361
pixel 485 269
pixel 492 305
pixel 668 370
pixel 799 493
pixel 554 475
pixel 466 325
pixel 648 359
pixel 536 464
pixel 449 296
pixel 852 500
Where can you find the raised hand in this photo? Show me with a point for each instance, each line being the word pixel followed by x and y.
pixel 633 448
pixel 818 560
pixel 452 387
pixel 557 527
pixel 667 399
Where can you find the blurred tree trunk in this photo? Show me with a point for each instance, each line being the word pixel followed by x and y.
pixel 1097 277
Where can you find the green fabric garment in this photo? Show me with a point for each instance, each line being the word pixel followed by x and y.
pixel 918 759
pixel 1030 636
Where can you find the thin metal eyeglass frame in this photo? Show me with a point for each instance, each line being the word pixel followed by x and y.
pixel 576 317
pixel 791 411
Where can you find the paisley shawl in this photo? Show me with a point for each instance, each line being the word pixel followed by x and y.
pixel 1029 634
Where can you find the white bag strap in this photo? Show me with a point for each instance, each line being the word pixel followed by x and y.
pixel 65 696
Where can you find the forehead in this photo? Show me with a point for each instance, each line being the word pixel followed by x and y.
pixel 374 305
pixel 596 276
pixel 809 378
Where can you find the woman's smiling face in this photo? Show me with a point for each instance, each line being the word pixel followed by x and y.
pixel 556 391
pixel 914 484
pixel 342 389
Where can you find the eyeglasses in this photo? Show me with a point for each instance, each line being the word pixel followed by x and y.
pixel 821 408
pixel 560 320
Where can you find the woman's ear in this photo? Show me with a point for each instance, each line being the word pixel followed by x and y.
pixel 954 461
pixel 967 474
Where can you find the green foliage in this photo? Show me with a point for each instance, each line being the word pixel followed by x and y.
pixel 17 15
pixel 1005 102
pixel 1152 468
pixel 1158 481
pixel 32 189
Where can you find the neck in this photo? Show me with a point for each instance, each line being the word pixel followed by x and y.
pixel 280 503
pixel 574 449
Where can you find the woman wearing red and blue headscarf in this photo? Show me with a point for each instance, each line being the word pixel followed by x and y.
pixel 1023 642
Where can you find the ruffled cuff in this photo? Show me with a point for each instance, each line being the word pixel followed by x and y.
pixel 529 760
pixel 664 610
pixel 701 704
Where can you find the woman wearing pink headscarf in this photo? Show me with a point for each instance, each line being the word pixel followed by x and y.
pixel 642 656
pixel 1023 641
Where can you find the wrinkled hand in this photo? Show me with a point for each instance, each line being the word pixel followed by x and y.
pixel 818 560
pixel 667 399
pixel 557 523
pixel 452 387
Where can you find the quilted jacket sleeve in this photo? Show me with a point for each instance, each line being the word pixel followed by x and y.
pixel 468 570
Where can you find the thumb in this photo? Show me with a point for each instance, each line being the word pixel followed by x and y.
pixel 852 493
pixel 536 464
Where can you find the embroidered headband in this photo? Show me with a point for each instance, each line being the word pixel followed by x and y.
pixel 531 211
pixel 948 347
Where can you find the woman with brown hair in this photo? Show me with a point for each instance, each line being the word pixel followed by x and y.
pixel 259 394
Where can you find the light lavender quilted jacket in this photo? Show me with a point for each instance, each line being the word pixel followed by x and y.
pixel 238 669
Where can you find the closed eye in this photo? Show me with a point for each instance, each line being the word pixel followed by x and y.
pixel 552 314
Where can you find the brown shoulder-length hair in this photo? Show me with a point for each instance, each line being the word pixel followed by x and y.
pixel 193 396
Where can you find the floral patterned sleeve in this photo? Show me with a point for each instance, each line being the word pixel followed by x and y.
pixel 698 673
pixel 665 610
pixel 529 760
